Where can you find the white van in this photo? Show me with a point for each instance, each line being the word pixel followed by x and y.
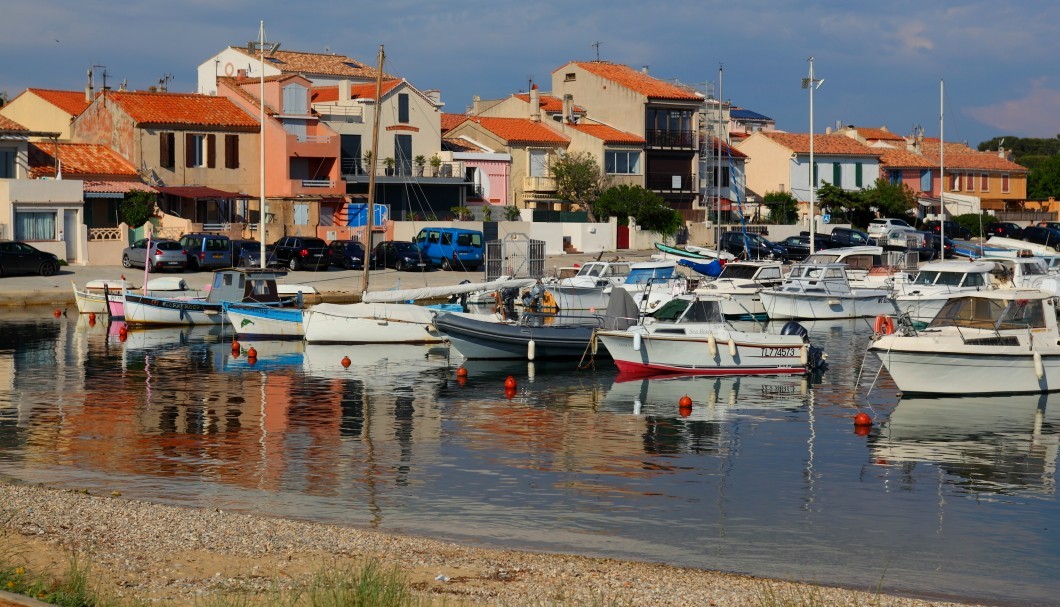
pixel 879 227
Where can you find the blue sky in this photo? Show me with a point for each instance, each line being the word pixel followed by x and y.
pixel 881 61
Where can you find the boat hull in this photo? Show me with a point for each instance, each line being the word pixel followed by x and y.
pixel 783 305
pixel 255 320
pixel 579 298
pixel 143 310
pixel 754 355
pixel 477 340
pixel 370 324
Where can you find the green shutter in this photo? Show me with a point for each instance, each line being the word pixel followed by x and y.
pixel 837 175
pixel 857 174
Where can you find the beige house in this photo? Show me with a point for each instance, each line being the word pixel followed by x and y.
pixel 47 110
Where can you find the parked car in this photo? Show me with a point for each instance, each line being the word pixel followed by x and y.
pixel 1049 237
pixel 849 237
pixel 450 248
pixel 1004 229
pixel 878 227
pixel 207 251
pixel 741 244
pixel 400 255
pixel 247 253
pixel 20 258
pixel 300 253
pixel 346 254
pixel 931 241
pixel 798 247
pixel 952 229
pixel 165 254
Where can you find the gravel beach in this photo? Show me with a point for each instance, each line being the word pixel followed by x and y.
pixel 179 556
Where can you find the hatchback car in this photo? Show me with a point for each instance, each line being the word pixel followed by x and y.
pixel 20 258
pixel 1004 229
pixel 400 255
pixel 165 254
pixel 247 253
pixel 207 251
pixel 300 253
pixel 346 254
pixel 931 241
pixel 797 248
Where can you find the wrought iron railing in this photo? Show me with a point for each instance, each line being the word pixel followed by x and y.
pixel 670 139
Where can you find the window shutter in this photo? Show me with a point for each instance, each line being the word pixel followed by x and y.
pixel 211 151
pixel 189 150
pixel 165 156
pixel 231 151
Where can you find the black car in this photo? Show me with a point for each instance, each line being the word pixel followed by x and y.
pixel 300 253
pixel 797 248
pixel 931 241
pixel 951 228
pixel 346 254
pixel 1004 229
pixel 400 255
pixel 20 258
pixel 247 253
pixel 751 246
pixel 1049 237
pixel 849 237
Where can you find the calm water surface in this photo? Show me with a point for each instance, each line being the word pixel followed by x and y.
pixel 945 497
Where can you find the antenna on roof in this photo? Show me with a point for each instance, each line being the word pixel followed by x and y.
pixel 596 45
pixel 163 82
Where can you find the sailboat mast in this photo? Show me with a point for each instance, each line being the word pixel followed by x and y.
pixel 942 169
pixel 371 173
pixel 716 153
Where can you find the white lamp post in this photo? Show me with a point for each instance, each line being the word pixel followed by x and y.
pixel 812 83
pixel 262 47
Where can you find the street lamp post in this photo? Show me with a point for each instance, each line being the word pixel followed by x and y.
pixel 263 48
pixel 812 84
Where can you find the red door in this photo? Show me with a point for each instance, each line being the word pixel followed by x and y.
pixel 623 237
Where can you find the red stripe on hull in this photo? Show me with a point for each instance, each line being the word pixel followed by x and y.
pixel 639 369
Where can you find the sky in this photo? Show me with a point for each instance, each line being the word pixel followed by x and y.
pixel 882 62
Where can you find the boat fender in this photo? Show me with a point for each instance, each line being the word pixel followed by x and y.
pixel 1039 369
pixel 732 347
pixel 884 325
pixel 804 355
pixel 712 343
pixel 531 350
pixel 636 342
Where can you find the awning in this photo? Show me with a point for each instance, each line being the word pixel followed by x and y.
pixel 114 189
pixel 198 192
pixel 992 205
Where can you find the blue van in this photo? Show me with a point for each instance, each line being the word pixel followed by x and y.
pixel 452 248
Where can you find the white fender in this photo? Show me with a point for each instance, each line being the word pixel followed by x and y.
pixel 531 350
pixel 804 355
pixel 636 342
pixel 713 345
pixel 732 347
pixel 1039 369
pixel 636 406
pixel 531 372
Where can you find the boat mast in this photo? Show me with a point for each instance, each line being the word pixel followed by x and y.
pixel 942 169
pixel 371 173
pixel 715 153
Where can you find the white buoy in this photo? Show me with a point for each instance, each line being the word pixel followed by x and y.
pixel 636 342
pixel 636 406
pixel 804 355
pixel 531 349
pixel 732 347
pixel 713 345
pixel 531 372
pixel 1039 369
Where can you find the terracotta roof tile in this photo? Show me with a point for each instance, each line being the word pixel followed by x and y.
pixel 6 124
pixel 903 159
pixel 961 157
pixel 607 134
pixel 182 108
pixel 637 81
pixel 245 89
pixel 829 145
pixel 549 103
pixel 877 134
pixel 111 186
pixel 71 102
pixel 77 159
pixel 456 144
pixel 449 121
pixel 727 150
pixel 325 94
pixel 520 130
pixel 315 63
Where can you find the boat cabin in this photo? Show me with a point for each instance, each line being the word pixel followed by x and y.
pixel 823 278
pixel 650 271
pixel 998 311
pixel 244 285
pixel 689 309
pixel 599 274
pixel 962 274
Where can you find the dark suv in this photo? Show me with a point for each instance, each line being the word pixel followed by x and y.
pixel 300 253
pixel 849 237
pixel 207 251
pixel 952 229
pixel 1004 229
pixel 751 245
pixel 1049 237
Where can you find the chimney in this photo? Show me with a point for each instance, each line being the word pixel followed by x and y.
pixel 827 130
pixel 89 92
pixel 644 69
pixel 568 107
pixel 476 101
pixel 434 95
pixel 241 74
pixel 535 104
pixel 344 90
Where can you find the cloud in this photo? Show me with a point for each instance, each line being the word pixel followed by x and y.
pixel 912 38
pixel 1037 114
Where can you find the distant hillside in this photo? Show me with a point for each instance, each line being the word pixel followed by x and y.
pixel 1040 156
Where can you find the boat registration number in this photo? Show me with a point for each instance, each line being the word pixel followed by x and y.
pixel 770 352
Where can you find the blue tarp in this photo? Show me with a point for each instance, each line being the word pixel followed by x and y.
pixel 712 269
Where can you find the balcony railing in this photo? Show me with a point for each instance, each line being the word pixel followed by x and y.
pixel 314 138
pixel 354 167
pixel 317 183
pixel 104 233
pixel 539 184
pixel 671 139
pixel 670 182
pixel 345 113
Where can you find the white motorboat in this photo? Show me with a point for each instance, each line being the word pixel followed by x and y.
pixel 690 335
pixel 866 265
pixel 230 285
pixel 823 291
pixel 937 282
pixel 741 283
pixel 586 289
pixel 988 342
pixel 92 299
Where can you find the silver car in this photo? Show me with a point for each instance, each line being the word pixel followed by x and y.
pixel 165 254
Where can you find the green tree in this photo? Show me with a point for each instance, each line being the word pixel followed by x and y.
pixel 1022 147
pixel 137 208
pixel 579 179
pixel 1043 181
pixel 842 204
pixel 646 208
pixel 889 199
pixel 511 213
pixel 783 207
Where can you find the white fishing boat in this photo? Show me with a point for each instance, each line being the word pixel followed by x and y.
pixel 989 342
pixel 230 285
pixel 866 265
pixel 937 282
pixel 161 286
pixel 740 283
pixel 92 299
pixel 690 335
pixel 823 291
pixel 586 289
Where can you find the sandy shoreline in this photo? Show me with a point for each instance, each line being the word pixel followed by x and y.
pixel 176 555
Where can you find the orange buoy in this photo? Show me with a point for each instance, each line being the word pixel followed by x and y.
pixel 461 381
pixel 235 352
pixel 509 383
pixel 123 336
pixel 461 372
pixel 57 313
pixel 346 362
pixel 509 393
pixel 91 318
pixel 862 419
pixel 123 331
pixel 686 401
pixel 251 353
pixel 235 346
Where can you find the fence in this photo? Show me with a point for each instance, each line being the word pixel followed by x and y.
pixel 516 255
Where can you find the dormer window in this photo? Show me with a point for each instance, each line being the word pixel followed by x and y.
pixel 294 99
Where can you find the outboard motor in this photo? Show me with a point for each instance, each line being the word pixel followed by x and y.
pixel 461 298
pixel 508 301
pixel 793 328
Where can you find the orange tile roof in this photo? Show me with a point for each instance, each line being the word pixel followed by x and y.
pixel 830 145
pixel 451 120
pixel 314 63
pixel 6 124
pixel 728 150
pixel 182 108
pixel 903 159
pixel 636 80
pixel 607 134
pixel 961 157
pixel 71 102
pixel 549 103
pixel 77 159
pixel 456 144
pixel 877 134
pixel 113 186
pixel 245 89
pixel 324 94
pixel 520 130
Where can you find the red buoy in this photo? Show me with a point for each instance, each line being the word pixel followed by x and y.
pixel 123 331
pixel 346 362
pixel 461 381
pixel 509 393
pixel 57 313
pixel 91 318
pixel 685 401
pixel 862 419
pixel 461 372
pixel 251 352
pixel 509 383
pixel 235 346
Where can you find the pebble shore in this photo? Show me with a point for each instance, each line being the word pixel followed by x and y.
pixel 179 556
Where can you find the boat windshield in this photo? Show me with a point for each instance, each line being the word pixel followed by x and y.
pixel 926 277
pixel 986 313
pixel 689 310
pixel 735 270
pixel 641 276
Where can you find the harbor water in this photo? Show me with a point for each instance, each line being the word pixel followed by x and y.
pixel 944 497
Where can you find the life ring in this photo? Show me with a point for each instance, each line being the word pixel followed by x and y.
pixel 884 325
pixel 229 69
